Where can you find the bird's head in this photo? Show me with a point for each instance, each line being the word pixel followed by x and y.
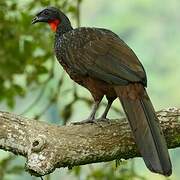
pixel 54 17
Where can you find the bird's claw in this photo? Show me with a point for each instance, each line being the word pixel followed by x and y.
pixel 104 120
pixel 84 122
pixel 92 121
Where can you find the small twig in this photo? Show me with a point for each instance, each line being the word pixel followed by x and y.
pixel 44 86
pixel 35 101
pixel 53 98
pixel 78 13
pixel 48 177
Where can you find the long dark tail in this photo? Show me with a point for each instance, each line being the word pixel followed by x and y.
pixel 147 132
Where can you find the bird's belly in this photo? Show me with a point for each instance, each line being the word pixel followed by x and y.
pixel 95 86
pixel 99 88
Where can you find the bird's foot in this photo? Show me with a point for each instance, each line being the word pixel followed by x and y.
pixel 104 119
pixel 92 121
pixel 89 120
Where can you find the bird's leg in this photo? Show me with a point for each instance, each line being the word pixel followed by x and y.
pixel 91 118
pixel 103 116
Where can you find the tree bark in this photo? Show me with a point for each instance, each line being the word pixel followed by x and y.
pixel 48 146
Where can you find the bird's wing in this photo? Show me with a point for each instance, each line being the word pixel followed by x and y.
pixel 109 59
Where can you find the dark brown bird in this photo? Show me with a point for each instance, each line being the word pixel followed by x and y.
pixel 100 61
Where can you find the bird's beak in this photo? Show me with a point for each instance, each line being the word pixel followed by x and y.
pixel 35 20
pixel 39 19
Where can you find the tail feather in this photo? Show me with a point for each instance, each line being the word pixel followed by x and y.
pixel 147 132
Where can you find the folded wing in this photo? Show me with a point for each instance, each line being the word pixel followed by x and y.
pixel 109 59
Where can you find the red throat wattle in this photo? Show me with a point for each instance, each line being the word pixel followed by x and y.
pixel 54 24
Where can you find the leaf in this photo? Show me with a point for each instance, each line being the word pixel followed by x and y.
pixel 72 9
pixel 67 111
pixel 19 90
pixel 42 70
pixel 76 170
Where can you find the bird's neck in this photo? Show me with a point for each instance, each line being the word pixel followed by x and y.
pixel 62 28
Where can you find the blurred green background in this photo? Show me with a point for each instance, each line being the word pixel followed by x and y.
pixel 32 82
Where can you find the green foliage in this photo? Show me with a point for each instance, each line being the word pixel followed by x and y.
pixel 6 168
pixel 109 171
pixel 24 54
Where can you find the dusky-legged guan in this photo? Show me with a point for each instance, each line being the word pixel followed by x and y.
pixel 99 60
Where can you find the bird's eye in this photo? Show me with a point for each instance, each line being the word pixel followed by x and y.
pixel 46 13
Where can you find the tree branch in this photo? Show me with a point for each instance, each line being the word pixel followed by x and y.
pixel 47 146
